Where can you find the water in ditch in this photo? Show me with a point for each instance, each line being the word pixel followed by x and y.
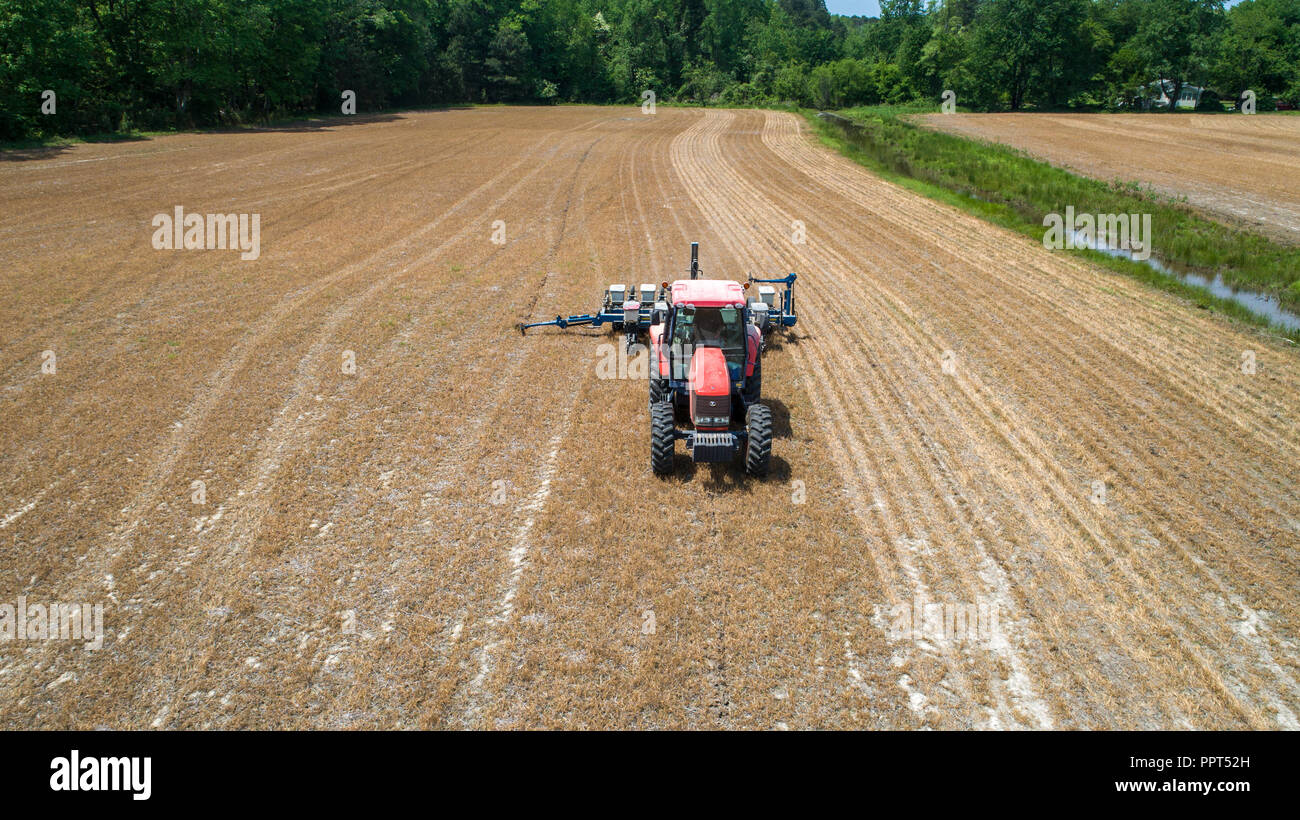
pixel 1260 304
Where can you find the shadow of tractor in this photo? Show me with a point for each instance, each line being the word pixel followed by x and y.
pixel 726 477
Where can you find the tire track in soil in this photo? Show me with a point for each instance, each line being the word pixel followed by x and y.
pixel 450 677
pixel 806 689
pixel 533 508
pixel 471 612
pixel 575 599
pixel 220 382
pixel 507 618
pixel 80 310
pixel 704 162
pixel 480 321
pixel 715 578
pixel 235 363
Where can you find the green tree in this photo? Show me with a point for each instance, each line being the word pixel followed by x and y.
pixel 1173 40
pixel 1258 49
pixel 1022 51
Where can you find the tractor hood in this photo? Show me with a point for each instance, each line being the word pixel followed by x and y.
pixel 708 374
pixel 710 389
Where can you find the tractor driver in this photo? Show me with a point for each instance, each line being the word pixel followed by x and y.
pixel 708 328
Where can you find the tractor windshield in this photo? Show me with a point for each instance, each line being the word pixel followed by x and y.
pixel 711 327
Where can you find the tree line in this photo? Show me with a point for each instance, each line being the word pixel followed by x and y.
pixel 117 65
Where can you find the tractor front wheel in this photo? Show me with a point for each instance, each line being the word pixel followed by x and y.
pixel 758 446
pixel 658 390
pixel 663 437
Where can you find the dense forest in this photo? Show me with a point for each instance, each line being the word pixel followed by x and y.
pixel 153 64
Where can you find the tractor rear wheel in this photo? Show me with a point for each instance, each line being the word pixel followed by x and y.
pixel 663 437
pixel 758 446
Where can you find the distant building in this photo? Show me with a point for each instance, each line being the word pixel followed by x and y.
pixel 1159 95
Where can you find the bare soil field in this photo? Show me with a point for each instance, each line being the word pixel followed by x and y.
pixel 464 530
pixel 1240 169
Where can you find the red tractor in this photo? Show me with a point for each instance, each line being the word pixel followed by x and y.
pixel 706 367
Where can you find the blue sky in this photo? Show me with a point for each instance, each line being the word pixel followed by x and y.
pixel 871 8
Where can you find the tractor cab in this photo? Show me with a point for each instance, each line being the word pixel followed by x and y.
pixel 695 327
pixel 706 313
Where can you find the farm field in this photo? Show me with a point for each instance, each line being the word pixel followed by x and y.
pixel 1239 169
pixel 464 531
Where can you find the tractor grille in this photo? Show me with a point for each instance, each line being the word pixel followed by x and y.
pixel 713 447
pixel 719 415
